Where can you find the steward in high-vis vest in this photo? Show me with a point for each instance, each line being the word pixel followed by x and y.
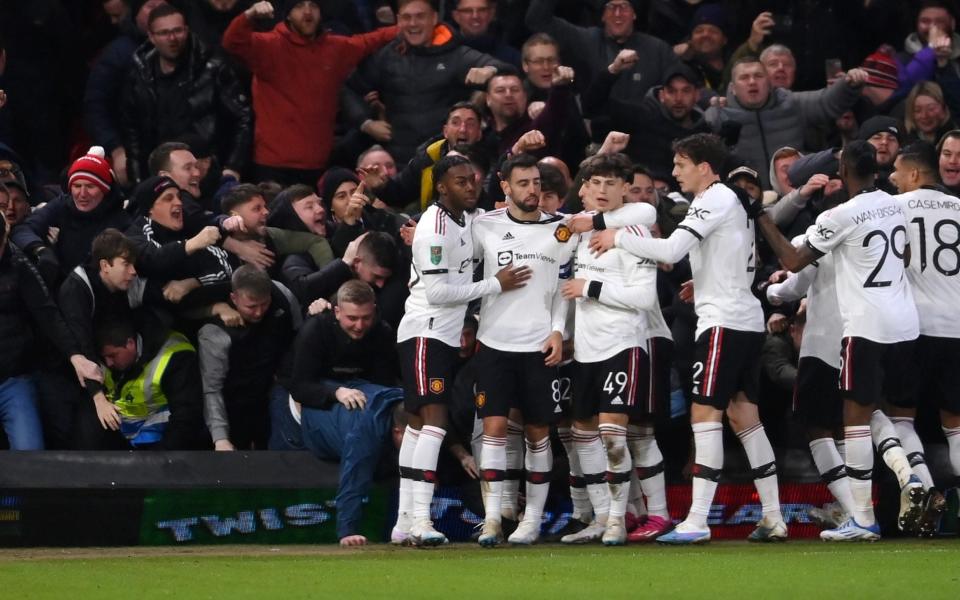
pixel 155 389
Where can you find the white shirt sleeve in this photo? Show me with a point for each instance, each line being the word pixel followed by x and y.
pixel 632 213
pixel 432 253
pixel 794 287
pixel 669 250
pixel 828 232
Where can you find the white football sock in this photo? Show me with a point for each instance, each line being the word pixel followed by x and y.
pixel 494 469
pixel 708 441
pixel 860 472
pixel 539 462
pixel 833 471
pixel 888 445
pixel 425 459
pixel 648 461
pixel 593 461
pixel 614 438
pixel 405 504
pixel 913 448
pixel 764 465
pixel 953 444
pixel 582 509
pixel 511 484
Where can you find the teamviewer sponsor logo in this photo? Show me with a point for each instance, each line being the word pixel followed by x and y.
pixel 504 257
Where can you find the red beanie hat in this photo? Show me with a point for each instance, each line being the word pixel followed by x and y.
pixel 92 167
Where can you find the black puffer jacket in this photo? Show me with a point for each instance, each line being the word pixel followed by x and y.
pixel 26 307
pixel 219 107
pixel 418 84
pixel 77 229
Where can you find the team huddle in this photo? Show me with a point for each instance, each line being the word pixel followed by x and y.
pixel 571 336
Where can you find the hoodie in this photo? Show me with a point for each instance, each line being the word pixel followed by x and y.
pixel 295 87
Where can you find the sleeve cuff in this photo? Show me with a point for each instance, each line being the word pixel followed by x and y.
pixel 598 223
pixel 592 289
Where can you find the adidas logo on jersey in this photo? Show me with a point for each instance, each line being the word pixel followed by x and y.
pixel 508 236
pixel 616 401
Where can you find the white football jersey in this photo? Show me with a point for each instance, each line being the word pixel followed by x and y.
pixel 441 277
pixel 933 225
pixel 521 320
pixel 620 289
pixel 867 236
pixel 823 332
pixel 721 242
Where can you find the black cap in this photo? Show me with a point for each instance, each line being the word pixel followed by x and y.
pixel 682 70
pixel 879 124
pixel 147 193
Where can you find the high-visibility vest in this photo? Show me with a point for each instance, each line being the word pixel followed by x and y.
pixel 426 175
pixel 141 401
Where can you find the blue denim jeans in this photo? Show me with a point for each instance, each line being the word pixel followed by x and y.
pixel 18 413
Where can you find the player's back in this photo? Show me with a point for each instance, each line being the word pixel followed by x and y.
pixel 868 237
pixel 521 320
pixel 933 225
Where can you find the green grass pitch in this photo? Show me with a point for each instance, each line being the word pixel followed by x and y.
pixel 811 570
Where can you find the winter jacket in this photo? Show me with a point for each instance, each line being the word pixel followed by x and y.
pixel 108 75
pixel 651 127
pixel 418 85
pixel 217 108
pixel 295 88
pixel 25 307
pixel 590 52
pixel 77 229
pixel 781 121
pixel 162 255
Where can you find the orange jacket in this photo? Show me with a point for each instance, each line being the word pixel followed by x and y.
pixel 295 87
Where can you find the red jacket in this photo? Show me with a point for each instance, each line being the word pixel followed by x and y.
pixel 295 87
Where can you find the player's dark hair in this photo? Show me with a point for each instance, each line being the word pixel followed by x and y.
pixel 703 148
pixel 238 196
pixel 402 3
pixel 114 331
pixel 159 159
pixel 610 165
pixel 379 248
pixel 445 164
pixel 640 170
pixel 111 244
pixel 517 161
pixel 507 71
pixel 552 180
pixel 161 11
pixel 464 104
pixel 953 134
pixel 251 281
pixel 922 155
pixel 859 157
pixel 476 155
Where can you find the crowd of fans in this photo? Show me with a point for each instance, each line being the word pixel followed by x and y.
pixel 248 160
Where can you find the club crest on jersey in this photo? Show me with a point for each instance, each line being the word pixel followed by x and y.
pixel 480 399
pixel 562 234
pixel 436 254
pixel 436 385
